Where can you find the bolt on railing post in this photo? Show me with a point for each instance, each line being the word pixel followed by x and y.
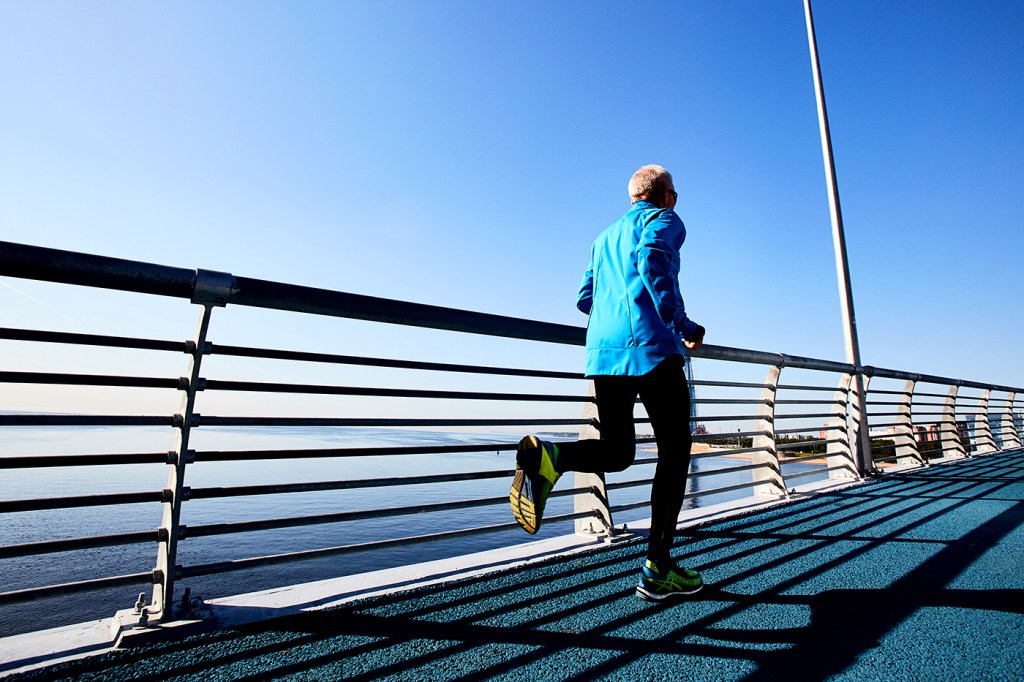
pixel 906 444
pixel 1011 438
pixel 597 499
pixel 174 495
pixel 770 468
pixel 949 435
pixel 982 427
pixel 841 454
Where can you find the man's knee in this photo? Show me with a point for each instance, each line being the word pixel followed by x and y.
pixel 621 453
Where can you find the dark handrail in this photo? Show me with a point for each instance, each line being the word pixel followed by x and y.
pixel 202 286
pixel 69 267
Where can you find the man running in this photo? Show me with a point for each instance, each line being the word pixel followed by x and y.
pixel 635 344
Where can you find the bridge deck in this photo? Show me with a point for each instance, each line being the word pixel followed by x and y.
pixel 914 577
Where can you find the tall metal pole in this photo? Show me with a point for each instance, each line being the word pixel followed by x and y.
pixel 861 444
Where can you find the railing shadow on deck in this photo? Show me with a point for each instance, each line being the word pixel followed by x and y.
pixel 913 577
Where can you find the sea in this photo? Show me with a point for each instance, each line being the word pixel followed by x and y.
pixel 55 568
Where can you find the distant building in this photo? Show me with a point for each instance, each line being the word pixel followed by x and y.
pixel 928 433
pixel 972 427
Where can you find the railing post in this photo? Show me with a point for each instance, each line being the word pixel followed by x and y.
pixel 906 444
pixel 176 491
pixel 986 441
pixel 948 432
pixel 211 289
pixel 771 468
pixel 841 454
pixel 1011 436
pixel 597 499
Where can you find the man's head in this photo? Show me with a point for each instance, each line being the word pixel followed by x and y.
pixel 654 184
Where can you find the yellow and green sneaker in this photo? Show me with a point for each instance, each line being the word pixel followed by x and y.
pixel 656 585
pixel 535 477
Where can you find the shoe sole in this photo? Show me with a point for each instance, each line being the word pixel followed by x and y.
pixel 651 596
pixel 522 506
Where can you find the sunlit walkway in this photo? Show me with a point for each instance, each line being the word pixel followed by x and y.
pixel 915 577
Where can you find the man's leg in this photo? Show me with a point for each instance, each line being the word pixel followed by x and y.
pixel 616 449
pixel 666 396
pixel 539 463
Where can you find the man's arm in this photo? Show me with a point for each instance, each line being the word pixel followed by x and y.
pixel 660 242
pixel 585 298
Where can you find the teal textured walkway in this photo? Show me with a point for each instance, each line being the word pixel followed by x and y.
pixel 914 577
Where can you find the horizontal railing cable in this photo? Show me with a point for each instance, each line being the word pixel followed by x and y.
pixel 84 420
pixel 321 453
pixel 729 401
pixel 205 420
pixel 783 432
pixel 305 356
pixel 254 562
pixel 51 461
pixel 52 546
pixel 38 336
pixel 339 517
pixel 726 438
pixel 34 593
pixel 811 472
pixel 73 502
pixel 726 453
pixel 692 495
pixel 813 415
pixel 796 459
pixel 252 386
pixel 693 474
pixel 794 387
pixel 728 384
pixel 92 380
pixel 315 486
pixel 807 443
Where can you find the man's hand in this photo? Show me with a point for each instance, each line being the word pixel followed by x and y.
pixel 696 339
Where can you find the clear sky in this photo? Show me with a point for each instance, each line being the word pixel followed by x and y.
pixel 465 154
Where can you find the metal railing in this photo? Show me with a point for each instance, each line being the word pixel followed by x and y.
pixel 786 432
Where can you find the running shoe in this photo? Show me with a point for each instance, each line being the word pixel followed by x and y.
pixel 535 477
pixel 657 585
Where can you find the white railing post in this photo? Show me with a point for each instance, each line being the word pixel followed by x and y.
pixel 1011 437
pixel 839 456
pixel 949 435
pixel 597 499
pixel 906 444
pixel 982 428
pixel 770 469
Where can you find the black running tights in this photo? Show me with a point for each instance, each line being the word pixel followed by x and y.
pixel 666 397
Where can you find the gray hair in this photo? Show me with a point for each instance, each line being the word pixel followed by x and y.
pixel 649 180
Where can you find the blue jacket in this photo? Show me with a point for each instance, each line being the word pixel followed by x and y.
pixel 631 293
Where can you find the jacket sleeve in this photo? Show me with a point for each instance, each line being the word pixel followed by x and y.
pixel 585 298
pixel 657 256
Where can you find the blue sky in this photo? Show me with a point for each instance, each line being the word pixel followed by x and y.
pixel 466 154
